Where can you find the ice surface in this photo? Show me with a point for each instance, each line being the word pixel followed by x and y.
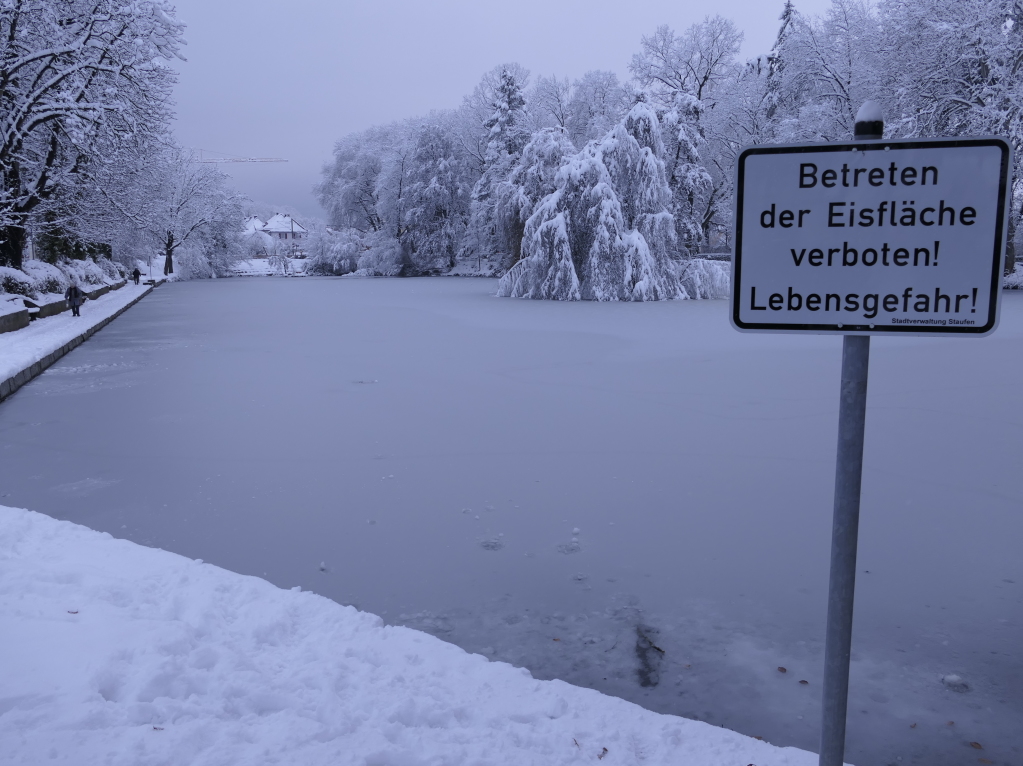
pixel 697 462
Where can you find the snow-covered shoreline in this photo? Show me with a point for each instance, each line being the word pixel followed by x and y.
pixel 44 338
pixel 120 654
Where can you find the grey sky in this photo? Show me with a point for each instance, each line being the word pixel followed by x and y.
pixel 269 79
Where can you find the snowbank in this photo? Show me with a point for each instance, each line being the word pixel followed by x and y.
pixel 120 654
pixel 275 266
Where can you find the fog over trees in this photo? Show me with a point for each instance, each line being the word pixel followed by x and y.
pixel 608 190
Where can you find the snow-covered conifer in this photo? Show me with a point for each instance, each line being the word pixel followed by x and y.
pixel 691 202
pixel 506 137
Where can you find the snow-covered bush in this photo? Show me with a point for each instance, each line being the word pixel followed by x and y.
pixel 335 254
pixel 37 277
pixel 16 282
pixel 383 258
pixel 84 273
pixel 707 279
pixel 209 258
pixel 47 277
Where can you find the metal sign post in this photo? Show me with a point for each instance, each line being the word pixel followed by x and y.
pixel 869 238
pixel 852 417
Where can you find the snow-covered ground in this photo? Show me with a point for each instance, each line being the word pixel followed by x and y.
pixel 630 497
pixel 115 653
pixel 23 348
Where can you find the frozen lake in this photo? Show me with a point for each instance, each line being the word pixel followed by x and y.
pixel 631 497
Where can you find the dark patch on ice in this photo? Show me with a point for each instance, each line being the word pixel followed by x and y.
pixel 491 544
pixel 365 382
pixel 650 656
pixel 572 547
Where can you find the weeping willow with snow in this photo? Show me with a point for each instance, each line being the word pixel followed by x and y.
pixel 605 231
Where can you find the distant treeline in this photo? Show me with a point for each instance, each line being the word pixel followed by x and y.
pixel 606 189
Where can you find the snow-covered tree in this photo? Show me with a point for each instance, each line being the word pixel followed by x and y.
pixel 961 73
pixel 183 208
pixel 73 74
pixel 693 62
pixel 436 202
pixel 506 137
pixel 548 103
pixel 559 215
pixel 832 66
pixel 685 75
pixel 533 178
pixel 605 232
pixel 694 200
pixel 598 102
pixel 350 192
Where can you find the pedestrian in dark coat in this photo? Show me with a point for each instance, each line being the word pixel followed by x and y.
pixel 74 297
pixel 136 274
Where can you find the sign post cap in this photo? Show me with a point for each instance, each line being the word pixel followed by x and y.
pixel 869 121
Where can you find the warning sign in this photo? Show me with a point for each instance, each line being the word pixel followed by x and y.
pixel 870 237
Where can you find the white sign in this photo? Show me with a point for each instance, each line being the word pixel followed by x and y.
pixel 870 237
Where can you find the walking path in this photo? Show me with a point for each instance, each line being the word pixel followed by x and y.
pixel 25 353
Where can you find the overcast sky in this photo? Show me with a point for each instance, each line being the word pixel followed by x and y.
pixel 269 79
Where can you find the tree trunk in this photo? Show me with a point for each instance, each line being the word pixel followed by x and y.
pixel 12 244
pixel 1010 247
pixel 168 249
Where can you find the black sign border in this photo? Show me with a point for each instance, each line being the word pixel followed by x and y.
pixel 874 146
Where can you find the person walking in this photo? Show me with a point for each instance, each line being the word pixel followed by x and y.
pixel 73 295
pixel 136 274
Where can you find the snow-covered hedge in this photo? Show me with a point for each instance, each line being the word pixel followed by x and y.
pixel 336 254
pixel 40 278
pixel 353 252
